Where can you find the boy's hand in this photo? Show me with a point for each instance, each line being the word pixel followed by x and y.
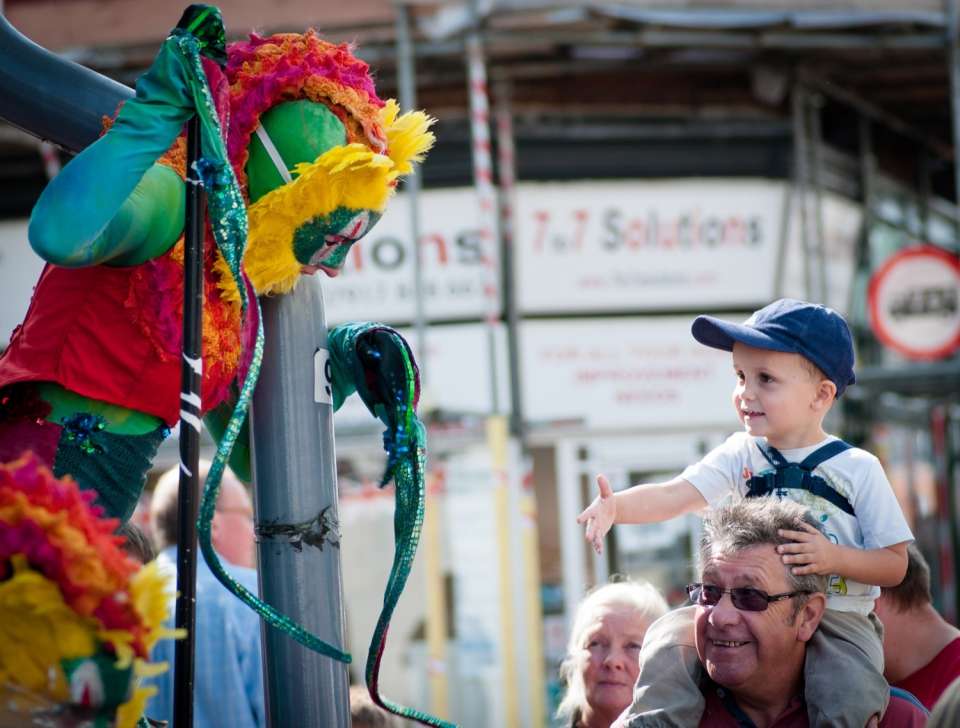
pixel 815 553
pixel 599 515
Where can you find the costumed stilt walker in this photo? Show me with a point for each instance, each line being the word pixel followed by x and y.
pixel 78 616
pixel 298 160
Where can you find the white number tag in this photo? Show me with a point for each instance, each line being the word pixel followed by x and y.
pixel 322 377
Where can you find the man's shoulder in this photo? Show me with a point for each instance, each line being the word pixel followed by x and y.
pixel 904 710
pixel 929 682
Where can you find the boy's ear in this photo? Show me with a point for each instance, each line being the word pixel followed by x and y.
pixel 826 394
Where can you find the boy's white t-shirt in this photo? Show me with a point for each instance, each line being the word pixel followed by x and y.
pixel 856 474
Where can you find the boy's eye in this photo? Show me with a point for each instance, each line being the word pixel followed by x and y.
pixel 740 376
pixel 765 378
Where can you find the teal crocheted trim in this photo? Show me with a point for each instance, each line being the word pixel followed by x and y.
pixel 381 368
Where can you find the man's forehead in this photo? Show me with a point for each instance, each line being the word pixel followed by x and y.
pixel 757 566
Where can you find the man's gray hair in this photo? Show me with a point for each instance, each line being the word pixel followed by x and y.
pixel 749 522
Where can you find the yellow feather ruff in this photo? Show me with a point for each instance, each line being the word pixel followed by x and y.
pixel 408 137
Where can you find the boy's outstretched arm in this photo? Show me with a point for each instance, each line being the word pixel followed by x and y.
pixel 814 553
pixel 647 503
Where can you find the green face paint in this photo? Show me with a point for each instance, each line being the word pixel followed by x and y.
pixel 96 682
pixel 327 240
pixel 301 131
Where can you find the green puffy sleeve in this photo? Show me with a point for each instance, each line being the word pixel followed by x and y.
pixel 112 203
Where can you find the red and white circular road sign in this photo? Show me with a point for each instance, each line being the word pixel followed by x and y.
pixel 914 302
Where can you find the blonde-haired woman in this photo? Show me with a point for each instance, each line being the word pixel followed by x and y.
pixel 603 654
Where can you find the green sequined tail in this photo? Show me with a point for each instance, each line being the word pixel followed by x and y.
pixel 377 362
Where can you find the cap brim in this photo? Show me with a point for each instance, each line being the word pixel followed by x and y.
pixel 719 334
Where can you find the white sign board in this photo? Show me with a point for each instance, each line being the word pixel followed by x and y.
pixel 625 373
pixel 914 302
pixel 20 268
pixel 377 281
pixel 647 244
pixel 581 246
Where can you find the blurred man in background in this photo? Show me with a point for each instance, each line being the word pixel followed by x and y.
pixel 921 650
pixel 228 686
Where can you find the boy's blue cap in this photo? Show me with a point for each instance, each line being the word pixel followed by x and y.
pixel 816 332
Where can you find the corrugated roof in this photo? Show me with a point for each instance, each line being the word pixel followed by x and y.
pixel 744 19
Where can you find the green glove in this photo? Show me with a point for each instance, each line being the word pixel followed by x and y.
pixel 204 23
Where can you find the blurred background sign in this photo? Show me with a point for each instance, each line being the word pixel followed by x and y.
pixel 914 301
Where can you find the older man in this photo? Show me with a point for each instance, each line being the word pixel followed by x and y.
pixel 228 686
pixel 921 649
pixel 754 619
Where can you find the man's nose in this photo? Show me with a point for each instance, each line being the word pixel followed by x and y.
pixel 724 613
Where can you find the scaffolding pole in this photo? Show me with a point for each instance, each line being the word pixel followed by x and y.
pixel 800 177
pixel 486 194
pixel 506 168
pixel 953 57
pixel 406 81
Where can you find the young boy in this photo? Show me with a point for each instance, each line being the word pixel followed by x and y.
pixel 791 360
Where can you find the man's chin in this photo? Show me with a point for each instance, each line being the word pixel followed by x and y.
pixel 729 673
pixel 309 270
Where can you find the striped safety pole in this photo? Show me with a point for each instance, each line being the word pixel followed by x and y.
pixel 497 430
pixel 486 195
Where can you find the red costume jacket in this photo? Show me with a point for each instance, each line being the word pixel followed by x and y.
pixel 114 334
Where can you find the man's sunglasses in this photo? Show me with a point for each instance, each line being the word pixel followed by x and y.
pixel 743 597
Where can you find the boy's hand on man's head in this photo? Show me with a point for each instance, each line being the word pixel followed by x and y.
pixel 812 552
pixel 599 515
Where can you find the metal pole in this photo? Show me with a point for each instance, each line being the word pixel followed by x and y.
pixel 800 182
pixel 862 257
pixel 816 141
pixel 783 240
pixel 411 184
pixel 923 182
pixel 297 514
pixel 506 167
pixel 953 55
pixel 190 423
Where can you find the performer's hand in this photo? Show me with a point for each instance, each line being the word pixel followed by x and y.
pixel 600 515
pixel 204 23
pixel 385 380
